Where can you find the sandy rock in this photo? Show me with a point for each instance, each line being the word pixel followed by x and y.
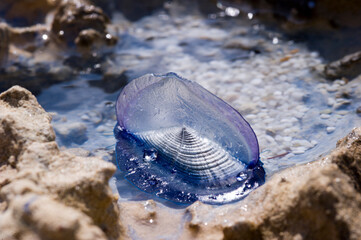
pixel 349 67
pixel 89 37
pixel 81 23
pixel 45 218
pixel 20 41
pixel 20 114
pixel 46 193
pixel 26 38
pixel 348 157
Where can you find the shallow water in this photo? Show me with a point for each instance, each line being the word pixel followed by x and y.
pixel 272 81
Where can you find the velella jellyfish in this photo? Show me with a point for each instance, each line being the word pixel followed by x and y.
pixel 180 142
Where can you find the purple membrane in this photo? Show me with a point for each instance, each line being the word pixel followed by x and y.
pixel 182 143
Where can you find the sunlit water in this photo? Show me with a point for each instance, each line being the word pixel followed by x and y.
pixel 273 82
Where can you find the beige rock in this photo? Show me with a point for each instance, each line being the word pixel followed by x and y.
pixel 44 218
pixel 20 115
pixel 46 193
pixel 80 22
pixel 348 67
pixel 348 157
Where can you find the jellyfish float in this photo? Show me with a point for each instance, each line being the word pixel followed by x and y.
pixel 180 142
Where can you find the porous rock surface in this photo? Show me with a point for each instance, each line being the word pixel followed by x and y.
pixel 81 23
pixel 349 66
pixel 46 193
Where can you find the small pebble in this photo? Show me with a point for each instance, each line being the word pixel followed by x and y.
pixel 314 142
pixel 299 150
pixel 332 88
pixel 85 117
pixel 256 81
pixel 324 116
pixel 342 112
pixel 314 54
pixel 102 128
pixel 287 139
pixel 326 111
pixel 330 129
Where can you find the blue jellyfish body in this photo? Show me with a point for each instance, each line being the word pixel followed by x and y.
pixel 182 143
